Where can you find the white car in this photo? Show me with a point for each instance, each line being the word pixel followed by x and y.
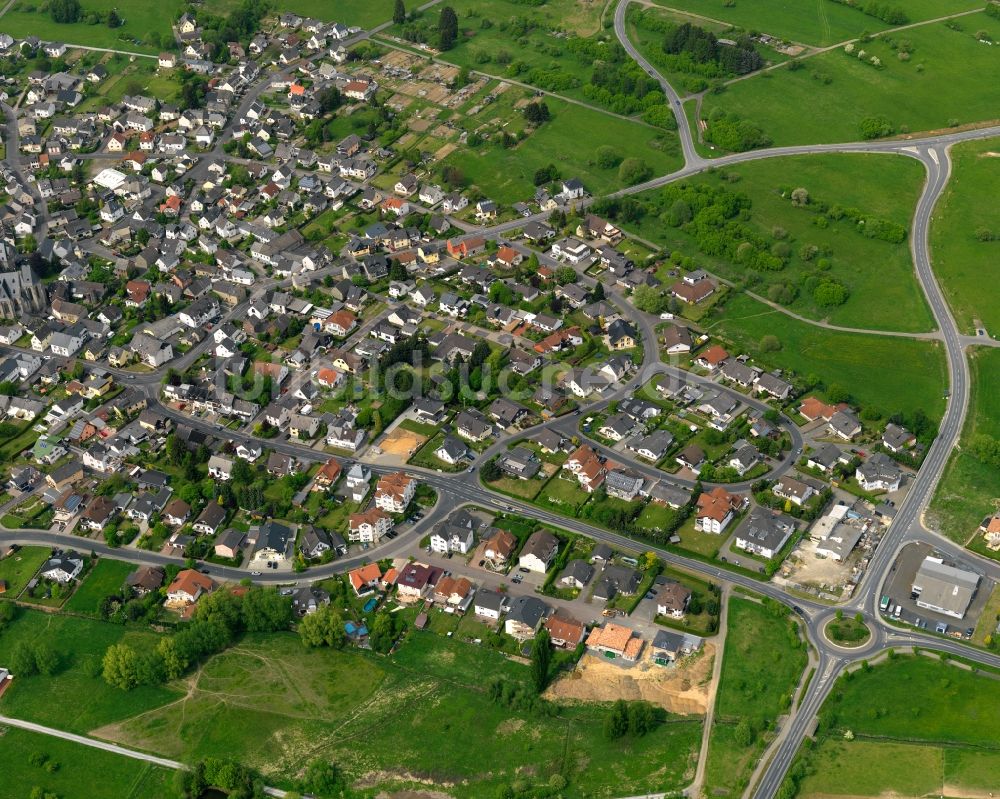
pixel 666 315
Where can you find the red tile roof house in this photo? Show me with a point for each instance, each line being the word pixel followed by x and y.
pixel 716 509
pixel 365 579
pixel 711 358
pixel 813 409
pixel 394 492
pixel 187 588
pixel 466 247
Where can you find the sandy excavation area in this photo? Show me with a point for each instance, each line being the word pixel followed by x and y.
pixel 402 443
pixel 683 688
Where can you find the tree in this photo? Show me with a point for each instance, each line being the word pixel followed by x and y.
pixel 541 658
pixel 447 28
pixel 383 632
pixel 608 157
pixel 22 660
pixel 616 724
pixel 397 271
pixel 633 170
pixel 175 659
pixel 114 19
pixel 875 128
pixel 744 733
pixel 65 12
pixel 120 667
pixel 598 292
pixel 800 196
pixel 322 777
pixel 399 13
pixel 770 343
pixel 489 471
pixel 648 299
pixel 324 627
pixel 536 113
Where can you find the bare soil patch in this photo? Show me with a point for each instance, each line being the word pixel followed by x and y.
pixel 402 443
pixel 683 688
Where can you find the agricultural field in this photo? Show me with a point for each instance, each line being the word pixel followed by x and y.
pixel 19 568
pixel 105 578
pixel 258 699
pixel 80 644
pixel 889 374
pixel 71 769
pixel 964 237
pixel 762 663
pixel 969 487
pixel 145 26
pixel 899 747
pixel 820 22
pixel 815 239
pixel 569 141
pixel 935 85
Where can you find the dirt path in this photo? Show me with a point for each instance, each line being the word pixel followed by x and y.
pixel 694 789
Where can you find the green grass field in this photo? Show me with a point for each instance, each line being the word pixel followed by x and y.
pixel 275 706
pixel 569 141
pixel 80 644
pixel 106 578
pixel 884 292
pixel 83 772
pixel 363 13
pixel 816 22
pixel 140 19
pixel 968 487
pixel 911 705
pixel 891 374
pixel 762 663
pixel 937 87
pixel 491 49
pixel 963 264
pixel 20 567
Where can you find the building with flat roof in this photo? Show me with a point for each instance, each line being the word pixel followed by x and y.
pixel 944 589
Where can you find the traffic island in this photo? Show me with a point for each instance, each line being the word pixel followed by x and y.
pixel 849 633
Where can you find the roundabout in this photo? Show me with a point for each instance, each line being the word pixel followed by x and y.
pixel 848 632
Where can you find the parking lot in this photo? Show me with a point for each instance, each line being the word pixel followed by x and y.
pixel 899 589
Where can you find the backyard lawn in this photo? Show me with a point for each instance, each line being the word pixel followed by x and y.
pixel 105 578
pixel 19 568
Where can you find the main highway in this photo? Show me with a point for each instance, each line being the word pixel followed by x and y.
pixel 465 488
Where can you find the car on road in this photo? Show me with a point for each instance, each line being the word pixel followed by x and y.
pixel 517 579
pixel 255 574
pixel 523 570
pixel 666 315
